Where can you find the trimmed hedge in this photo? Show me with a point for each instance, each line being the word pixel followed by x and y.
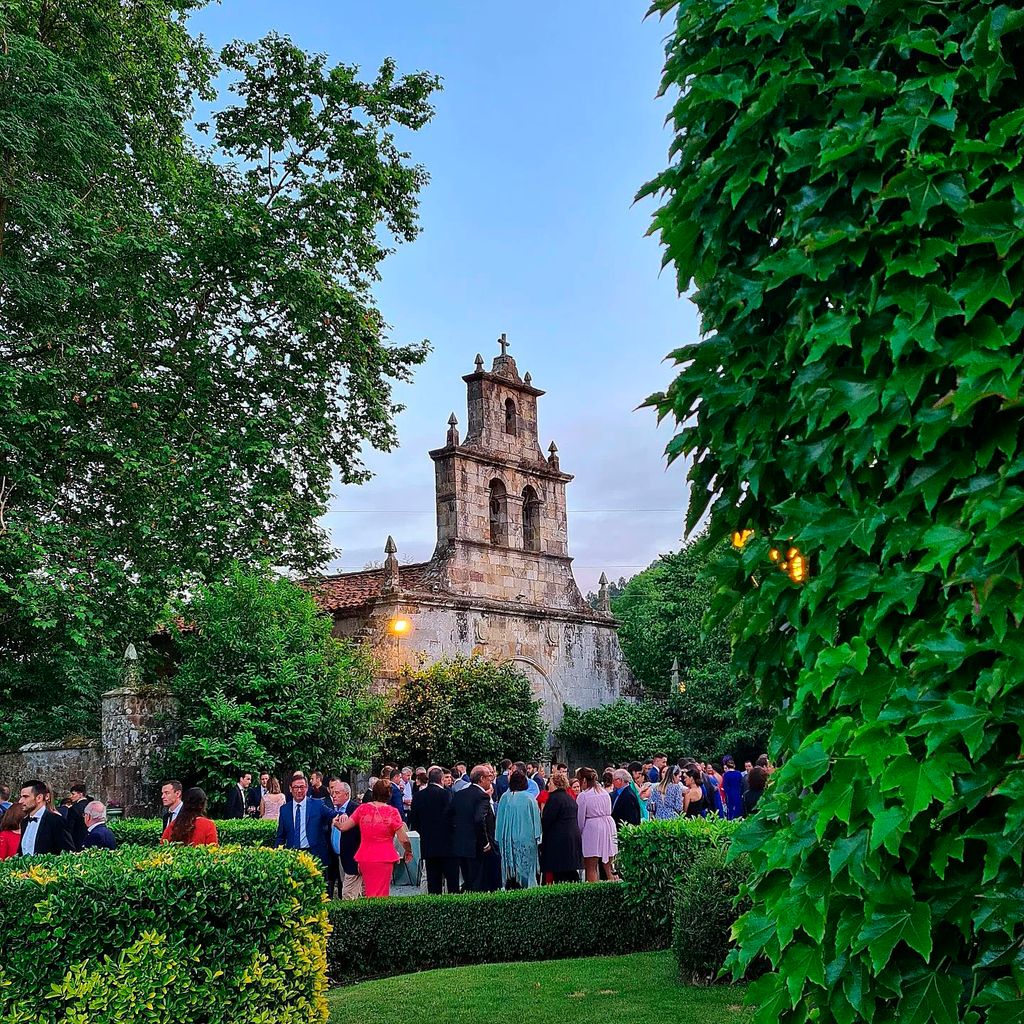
pixel 179 935
pixel 232 831
pixel 708 902
pixel 402 934
pixel 655 856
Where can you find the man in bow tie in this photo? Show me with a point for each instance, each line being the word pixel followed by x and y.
pixel 42 831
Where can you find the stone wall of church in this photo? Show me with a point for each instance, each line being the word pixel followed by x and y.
pixel 570 660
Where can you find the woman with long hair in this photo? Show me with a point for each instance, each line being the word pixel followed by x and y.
pixel 757 780
pixel 667 795
pixel 598 834
pixel 10 830
pixel 273 800
pixel 694 803
pixel 191 826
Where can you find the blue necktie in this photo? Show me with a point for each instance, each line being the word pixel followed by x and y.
pixel 298 826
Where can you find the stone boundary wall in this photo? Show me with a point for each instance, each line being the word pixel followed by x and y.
pixel 134 732
pixel 57 764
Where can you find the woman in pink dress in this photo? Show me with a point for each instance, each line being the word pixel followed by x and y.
pixel 597 829
pixel 379 822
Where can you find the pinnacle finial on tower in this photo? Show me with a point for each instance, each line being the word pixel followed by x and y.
pixel 528 379
pixel 553 456
pixel 453 432
pixel 479 362
pixel 603 580
pixel 604 601
pixel 390 567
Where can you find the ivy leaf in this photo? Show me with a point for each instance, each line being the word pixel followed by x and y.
pixel 918 783
pixel 885 928
pixel 935 998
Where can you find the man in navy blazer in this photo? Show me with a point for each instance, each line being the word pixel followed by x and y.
pixel 97 835
pixel 303 822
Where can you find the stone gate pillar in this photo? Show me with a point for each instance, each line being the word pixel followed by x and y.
pixel 135 729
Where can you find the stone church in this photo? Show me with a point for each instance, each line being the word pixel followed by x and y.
pixel 500 581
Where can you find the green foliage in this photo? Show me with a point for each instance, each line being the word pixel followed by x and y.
pixel 656 856
pixel 170 936
pixel 263 683
pixel 845 203
pixel 707 903
pixel 231 832
pixel 664 615
pixel 189 347
pixel 463 709
pixel 372 938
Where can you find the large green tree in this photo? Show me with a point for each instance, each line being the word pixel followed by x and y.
pixel 188 345
pixel 261 682
pixel 846 203
pixel 666 618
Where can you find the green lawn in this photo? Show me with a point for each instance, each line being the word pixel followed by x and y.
pixel 639 989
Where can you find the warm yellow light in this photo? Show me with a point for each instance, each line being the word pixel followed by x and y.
pixel 740 537
pixel 797 568
pixel 682 687
pixel 774 554
pixel 399 626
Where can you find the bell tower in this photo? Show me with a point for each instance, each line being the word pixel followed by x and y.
pixel 501 518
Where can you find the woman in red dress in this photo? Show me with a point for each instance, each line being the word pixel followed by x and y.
pixel 379 822
pixel 10 831
pixel 191 826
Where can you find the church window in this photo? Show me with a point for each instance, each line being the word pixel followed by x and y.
pixel 531 520
pixel 510 417
pixel 498 512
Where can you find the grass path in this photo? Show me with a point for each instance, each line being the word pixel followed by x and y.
pixel 640 989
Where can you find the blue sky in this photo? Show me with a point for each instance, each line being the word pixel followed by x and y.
pixel 547 126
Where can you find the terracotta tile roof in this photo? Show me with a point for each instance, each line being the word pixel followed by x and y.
pixel 353 589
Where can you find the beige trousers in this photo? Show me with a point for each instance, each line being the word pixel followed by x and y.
pixel 351 887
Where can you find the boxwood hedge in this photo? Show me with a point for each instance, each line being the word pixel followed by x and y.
pixel 374 938
pixel 233 831
pixel 708 901
pixel 655 856
pixel 169 936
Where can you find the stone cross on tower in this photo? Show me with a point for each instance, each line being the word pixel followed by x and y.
pixel 503 342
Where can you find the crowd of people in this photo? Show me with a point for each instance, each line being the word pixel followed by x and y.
pixel 479 829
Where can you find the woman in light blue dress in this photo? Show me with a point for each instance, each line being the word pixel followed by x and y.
pixel 517 832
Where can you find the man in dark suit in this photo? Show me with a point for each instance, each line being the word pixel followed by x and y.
pixel 170 797
pixel 97 835
pixel 429 817
pixel 501 782
pixel 255 795
pixel 42 830
pixel 472 823
pixel 534 773
pixel 304 822
pixel 76 814
pixel 625 806
pixel 343 876
pixel 238 796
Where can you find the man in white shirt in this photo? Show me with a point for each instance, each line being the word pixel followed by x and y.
pixel 407 788
pixel 170 797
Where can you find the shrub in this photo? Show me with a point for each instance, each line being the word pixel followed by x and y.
pixel 655 856
pixel 233 832
pixel 372 938
pixel 174 936
pixel 463 709
pixel 707 904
